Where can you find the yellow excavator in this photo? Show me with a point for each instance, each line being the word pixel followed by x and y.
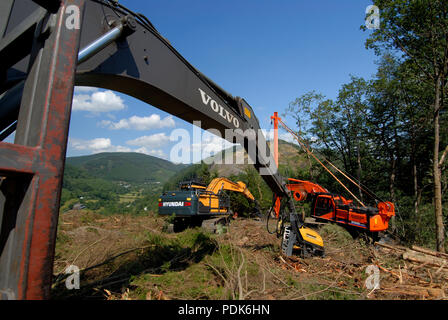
pixel 197 204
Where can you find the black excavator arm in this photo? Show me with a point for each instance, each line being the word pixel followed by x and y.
pixel 43 55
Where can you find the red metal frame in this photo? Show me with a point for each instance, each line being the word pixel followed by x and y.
pixel 33 166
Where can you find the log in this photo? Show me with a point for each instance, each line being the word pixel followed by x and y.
pixel 426 292
pixel 387 246
pixel 430 252
pixel 421 258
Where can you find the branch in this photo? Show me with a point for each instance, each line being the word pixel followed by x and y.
pixel 398 42
pixel 443 157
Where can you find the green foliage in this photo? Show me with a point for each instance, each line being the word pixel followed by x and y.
pixel 90 181
pixel 258 188
pixel 382 131
pixel 336 233
pixel 416 33
pixel 199 172
pixel 128 167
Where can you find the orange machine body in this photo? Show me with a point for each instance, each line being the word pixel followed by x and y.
pixel 337 209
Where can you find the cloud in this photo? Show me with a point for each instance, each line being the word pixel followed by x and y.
pixel 153 141
pixel 151 145
pixel 154 152
pixel 211 144
pixel 80 89
pixel 97 145
pixel 100 145
pixel 97 101
pixel 285 136
pixel 140 123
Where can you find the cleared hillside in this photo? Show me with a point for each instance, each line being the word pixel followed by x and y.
pixel 290 156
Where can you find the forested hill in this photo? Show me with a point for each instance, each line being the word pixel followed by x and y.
pixel 129 167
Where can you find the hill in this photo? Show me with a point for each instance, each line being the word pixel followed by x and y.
pixel 128 167
pixel 291 158
pixel 115 182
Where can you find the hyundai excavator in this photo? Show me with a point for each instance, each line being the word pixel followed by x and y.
pixel 46 48
pixel 196 204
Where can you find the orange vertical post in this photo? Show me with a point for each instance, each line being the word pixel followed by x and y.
pixel 275 118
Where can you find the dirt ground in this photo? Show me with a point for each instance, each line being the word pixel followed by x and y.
pixel 129 257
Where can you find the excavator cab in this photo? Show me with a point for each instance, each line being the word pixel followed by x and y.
pixel 324 206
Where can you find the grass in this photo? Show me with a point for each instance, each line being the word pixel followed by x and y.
pixel 129 197
pixel 131 257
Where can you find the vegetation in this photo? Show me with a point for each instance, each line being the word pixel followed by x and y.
pixel 127 167
pixel 199 172
pixel 108 183
pixel 124 257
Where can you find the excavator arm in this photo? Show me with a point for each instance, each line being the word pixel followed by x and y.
pixel 219 184
pixel 48 47
pixel 301 189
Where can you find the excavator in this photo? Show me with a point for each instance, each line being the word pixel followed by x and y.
pixel 47 47
pixel 336 208
pixel 326 206
pixel 196 204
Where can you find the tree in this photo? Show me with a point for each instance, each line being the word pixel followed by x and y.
pixel 419 31
pixel 352 100
pixel 336 128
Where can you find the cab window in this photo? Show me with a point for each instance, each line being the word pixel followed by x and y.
pixel 323 206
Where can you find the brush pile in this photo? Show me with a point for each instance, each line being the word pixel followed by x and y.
pixel 421 273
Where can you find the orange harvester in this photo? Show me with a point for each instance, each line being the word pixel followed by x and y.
pixel 331 207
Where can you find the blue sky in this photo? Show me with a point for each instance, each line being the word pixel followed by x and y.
pixel 269 52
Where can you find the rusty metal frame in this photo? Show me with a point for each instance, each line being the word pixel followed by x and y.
pixel 31 169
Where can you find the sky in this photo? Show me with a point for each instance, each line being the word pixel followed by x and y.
pixel 268 52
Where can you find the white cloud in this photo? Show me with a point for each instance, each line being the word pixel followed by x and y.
pixel 100 145
pixel 97 101
pixel 140 123
pixel 211 144
pixel 154 152
pixel 285 136
pixel 80 89
pixel 151 142
pixel 97 145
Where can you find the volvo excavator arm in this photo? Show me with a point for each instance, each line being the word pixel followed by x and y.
pixel 48 47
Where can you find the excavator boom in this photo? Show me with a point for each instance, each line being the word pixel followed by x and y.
pixel 219 184
pixel 301 188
